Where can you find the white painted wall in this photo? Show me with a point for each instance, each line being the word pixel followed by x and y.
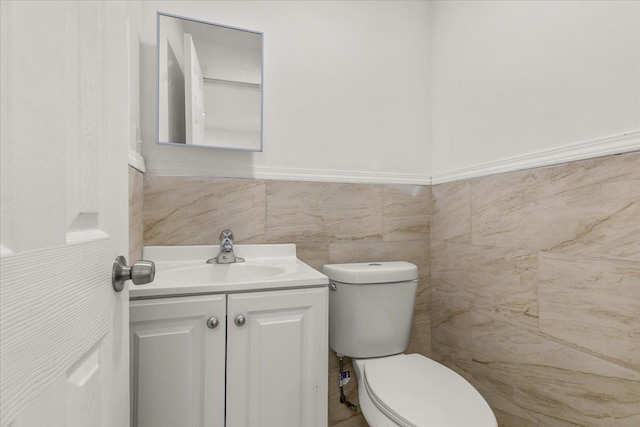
pixel 527 80
pixel 345 91
pixel 352 88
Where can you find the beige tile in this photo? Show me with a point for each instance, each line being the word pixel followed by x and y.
pixel 484 303
pixel 333 360
pixel 136 212
pixel 423 297
pixel 605 195
pixel 450 306
pixel 420 339
pixel 506 419
pixel 194 210
pixel 551 421
pixel 553 381
pixel 323 212
pixel 587 208
pixel 314 254
pixel 460 366
pixel 449 279
pixel 451 218
pixel 504 211
pixel 295 212
pixel 507 413
pixel 451 338
pixel 493 280
pixel 450 309
pixel 406 212
pixel 593 303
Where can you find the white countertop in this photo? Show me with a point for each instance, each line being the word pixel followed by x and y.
pixel 182 270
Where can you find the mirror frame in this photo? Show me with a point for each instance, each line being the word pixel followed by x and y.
pixel 157 124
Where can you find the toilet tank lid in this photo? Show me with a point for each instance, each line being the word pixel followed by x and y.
pixel 371 272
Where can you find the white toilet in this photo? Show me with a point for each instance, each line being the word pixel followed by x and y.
pixel 370 314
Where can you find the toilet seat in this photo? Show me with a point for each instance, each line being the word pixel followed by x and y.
pixel 414 391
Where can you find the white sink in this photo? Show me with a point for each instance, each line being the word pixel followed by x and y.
pixel 219 273
pixel 182 270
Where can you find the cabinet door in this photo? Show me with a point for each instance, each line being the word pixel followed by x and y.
pixel 177 362
pixel 277 360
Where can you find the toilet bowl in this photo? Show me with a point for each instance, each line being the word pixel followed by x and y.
pixel 370 316
pixel 410 390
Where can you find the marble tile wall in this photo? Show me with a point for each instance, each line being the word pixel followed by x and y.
pixel 535 291
pixel 530 281
pixel 136 225
pixel 329 222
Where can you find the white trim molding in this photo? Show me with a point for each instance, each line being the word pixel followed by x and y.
pixel 290 174
pixel 248 171
pixel 617 144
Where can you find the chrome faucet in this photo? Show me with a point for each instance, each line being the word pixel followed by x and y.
pixel 226 255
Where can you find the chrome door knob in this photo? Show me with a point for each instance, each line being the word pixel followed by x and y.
pixel 240 319
pixel 212 323
pixel 140 273
pixel 143 272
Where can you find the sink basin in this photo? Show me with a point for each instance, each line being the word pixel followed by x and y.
pixel 218 273
pixel 182 270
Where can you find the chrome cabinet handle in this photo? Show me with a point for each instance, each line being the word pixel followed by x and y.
pixel 240 319
pixel 140 273
pixel 212 323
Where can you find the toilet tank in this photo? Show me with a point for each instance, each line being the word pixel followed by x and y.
pixel 371 307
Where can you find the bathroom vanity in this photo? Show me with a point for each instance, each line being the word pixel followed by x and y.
pixel 241 344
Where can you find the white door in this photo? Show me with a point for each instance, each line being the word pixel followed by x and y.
pixel 193 93
pixel 178 361
pixel 277 358
pixel 64 131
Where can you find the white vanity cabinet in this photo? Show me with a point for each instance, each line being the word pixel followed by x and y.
pixel 177 361
pixel 277 361
pixel 263 364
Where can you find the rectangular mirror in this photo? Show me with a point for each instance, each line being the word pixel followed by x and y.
pixel 209 91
